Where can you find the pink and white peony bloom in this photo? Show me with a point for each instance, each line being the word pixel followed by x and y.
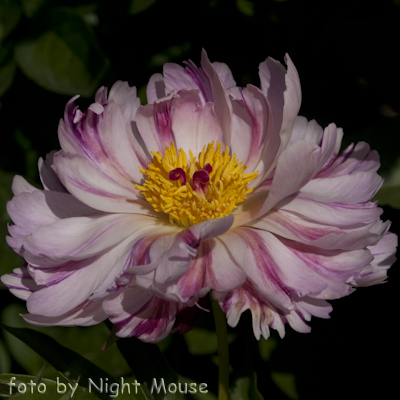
pixel 209 187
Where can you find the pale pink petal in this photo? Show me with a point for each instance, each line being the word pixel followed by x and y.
pixel 29 211
pixel 82 237
pixel 126 98
pixel 308 131
pixel 384 256
pixel 86 314
pixel 155 88
pixel 48 176
pixel 97 188
pixel 154 125
pixel 282 89
pixel 103 136
pixel 213 90
pixel 188 115
pixel 304 158
pixel 354 158
pixel 21 185
pixel 176 78
pixel 20 283
pixel 225 74
pixel 214 268
pixel 252 130
pixel 335 214
pixel 171 256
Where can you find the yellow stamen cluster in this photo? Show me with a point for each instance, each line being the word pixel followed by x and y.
pixel 226 188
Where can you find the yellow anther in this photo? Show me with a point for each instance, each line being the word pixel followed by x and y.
pixel 186 206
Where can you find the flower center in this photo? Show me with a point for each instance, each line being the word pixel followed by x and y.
pixel 198 190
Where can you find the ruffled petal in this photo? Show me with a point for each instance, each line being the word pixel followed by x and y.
pixel 171 256
pixel 265 315
pixel 213 90
pixel 214 268
pixel 136 312
pixel 252 131
pixel 176 78
pixel 48 176
pixel 334 214
pixel 189 115
pixel 20 283
pixel 292 226
pixel 104 139
pixel 97 188
pixel 155 88
pixel 78 281
pixel 384 256
pixel 283 91
pixel 21 185
pixel 271 267
pixel 82 237
pixel 40 208
pixel 225 75
pixel 86 314
pixel 154 124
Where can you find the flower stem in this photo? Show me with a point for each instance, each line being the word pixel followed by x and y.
pixel 223 351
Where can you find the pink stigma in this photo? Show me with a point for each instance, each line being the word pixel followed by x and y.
pixel 200 179
pixel 176 174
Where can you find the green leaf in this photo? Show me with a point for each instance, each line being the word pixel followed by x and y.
pixel 5 360
pixel 246 7
pixel 388 196
pixel 266 347
pixel 23 354
pixel 245 380
pixel 10 13
pixel 137 6
pixel 31 7
pixel 7 68
pixel 245 388
pixel 65 59
pixel 389 193
pixel 148 364
pixel 69 363
pixel 48 389
pixel 286 382
pixel 201 341
pixel 8 258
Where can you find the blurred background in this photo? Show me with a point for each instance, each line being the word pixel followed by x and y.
pixel 347 56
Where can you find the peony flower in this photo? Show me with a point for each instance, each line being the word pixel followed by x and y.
pixel 209 187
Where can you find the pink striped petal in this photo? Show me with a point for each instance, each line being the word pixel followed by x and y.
pixel 213 90
pixel 265 315
pixel 292 226
pixel 20 283
pixel 170 257
pixel 271 267
pixel 135 312
pixel 82 237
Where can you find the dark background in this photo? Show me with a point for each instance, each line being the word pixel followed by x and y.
pixel 347 56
